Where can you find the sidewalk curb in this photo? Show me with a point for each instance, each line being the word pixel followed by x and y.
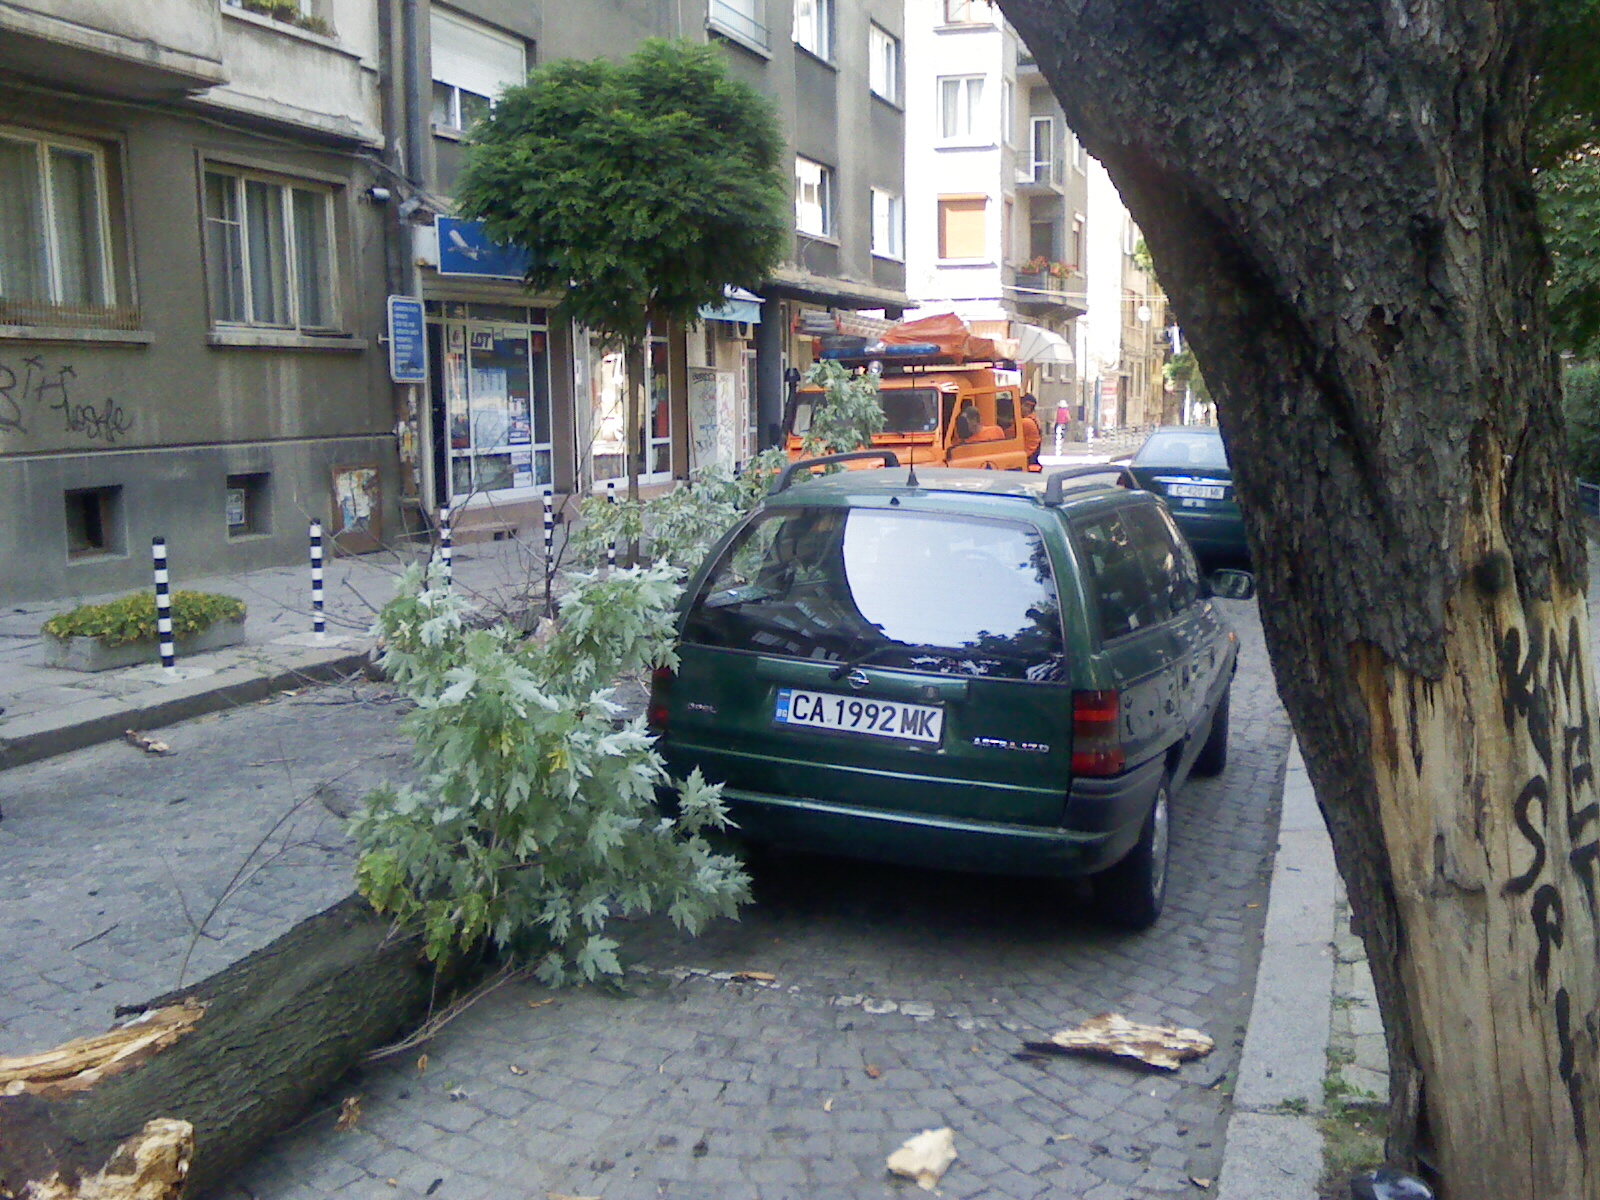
pixel 1274 1146
pixel 58 731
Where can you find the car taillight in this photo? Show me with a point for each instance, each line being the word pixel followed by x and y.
pixel 1096 749
pixel 660 693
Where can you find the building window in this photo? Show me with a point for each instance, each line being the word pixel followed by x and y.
pixel 960 107
pixel 1075 247
pixel 1008 111
pixel 742 20
pixel 883 69
pixel 813 197
pixel 968 12
pixel 94 522
pixel 1080 157
pixel 54 233
pixel 963 226
pixel 246 507
pixel 813 26
pixel 1042 241
pixel 888 224
pixel 269 252
pixel 1042 140
pixel 472 64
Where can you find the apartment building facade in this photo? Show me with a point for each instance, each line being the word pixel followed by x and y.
pixel 520 404
pixel 998 226
pixel 188 307
pixel 206 203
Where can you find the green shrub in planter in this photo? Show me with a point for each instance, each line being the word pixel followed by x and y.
pixel 132 618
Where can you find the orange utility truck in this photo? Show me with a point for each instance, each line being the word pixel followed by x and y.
pixel 950 397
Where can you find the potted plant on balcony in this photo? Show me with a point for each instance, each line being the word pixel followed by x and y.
pixel 122 632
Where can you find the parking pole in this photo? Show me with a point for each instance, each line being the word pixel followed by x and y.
pixel 318 625
pixel 169 657
pixel 444 545
pixel 611 550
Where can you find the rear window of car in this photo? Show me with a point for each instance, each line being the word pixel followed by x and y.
pixel 945 594
pixel 1178 449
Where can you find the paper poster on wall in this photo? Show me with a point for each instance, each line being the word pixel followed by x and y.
pixel 702 417
pixel 357 508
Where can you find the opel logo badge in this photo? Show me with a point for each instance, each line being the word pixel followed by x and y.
pixel 857 680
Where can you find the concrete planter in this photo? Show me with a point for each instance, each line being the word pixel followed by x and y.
pixel 89 654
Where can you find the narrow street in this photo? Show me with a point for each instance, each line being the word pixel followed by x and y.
pixel 901 998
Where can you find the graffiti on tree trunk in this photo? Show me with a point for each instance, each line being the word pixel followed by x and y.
pixel 1545 689
pixel 32 386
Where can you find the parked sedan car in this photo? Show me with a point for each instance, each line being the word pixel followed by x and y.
pixel 1187 466
pixel 970 670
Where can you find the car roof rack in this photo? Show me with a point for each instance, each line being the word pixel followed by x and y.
pixel 1053 482
pixel 888 457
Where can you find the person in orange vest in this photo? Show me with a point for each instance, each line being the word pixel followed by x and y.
pixel 1032 436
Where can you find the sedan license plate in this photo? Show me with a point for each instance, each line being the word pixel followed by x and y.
pixel 851 714
pixel 1197 491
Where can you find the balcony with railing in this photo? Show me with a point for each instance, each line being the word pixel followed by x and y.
pixel 742 20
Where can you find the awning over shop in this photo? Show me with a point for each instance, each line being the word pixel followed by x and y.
pixel 1036 344
pixel 740 305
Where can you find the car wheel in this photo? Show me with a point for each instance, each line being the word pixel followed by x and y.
pixel 1130 895
pixel 1213 756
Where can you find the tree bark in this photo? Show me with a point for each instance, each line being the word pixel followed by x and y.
pixel 1337 200
pixel 278 1029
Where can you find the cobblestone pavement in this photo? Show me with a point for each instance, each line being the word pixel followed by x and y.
pixel 109 858
pixel 901 996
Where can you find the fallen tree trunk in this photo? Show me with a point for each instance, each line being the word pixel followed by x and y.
pixel 238 1057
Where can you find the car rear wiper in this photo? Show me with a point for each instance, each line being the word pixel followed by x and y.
pixel 860 660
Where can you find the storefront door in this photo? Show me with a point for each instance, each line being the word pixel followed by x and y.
pixel 602 440
pixel 491 390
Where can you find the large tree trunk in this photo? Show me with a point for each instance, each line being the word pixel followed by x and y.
pixel 277 1029
pixel 1337 200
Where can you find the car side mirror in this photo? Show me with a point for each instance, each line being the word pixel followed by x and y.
pixel 1232 585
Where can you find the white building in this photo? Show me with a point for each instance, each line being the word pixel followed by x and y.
pixel 997 190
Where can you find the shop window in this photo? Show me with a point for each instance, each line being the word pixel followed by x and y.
pixel 94 522
pixel 246 505
pixel 269 252
pixel 55 230
pixel 492 379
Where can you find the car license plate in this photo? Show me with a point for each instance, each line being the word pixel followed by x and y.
pixel 1198 491
pixel 852 714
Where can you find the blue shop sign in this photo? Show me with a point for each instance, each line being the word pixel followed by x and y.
pixel 464 249
pixel 408 343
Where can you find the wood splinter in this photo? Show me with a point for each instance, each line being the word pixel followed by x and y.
pixel 78 1065
pixel 151 1165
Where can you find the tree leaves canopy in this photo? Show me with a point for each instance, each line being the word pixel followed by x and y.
pixel 639 189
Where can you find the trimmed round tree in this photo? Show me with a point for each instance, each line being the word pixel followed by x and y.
pixel 641 190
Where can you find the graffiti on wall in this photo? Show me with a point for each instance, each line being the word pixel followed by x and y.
pixel 31 389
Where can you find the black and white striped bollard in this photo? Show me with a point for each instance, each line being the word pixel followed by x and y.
pixel 611 550
pixel 169 657
pixel 318 625
pixel 444 545
pixel 549 534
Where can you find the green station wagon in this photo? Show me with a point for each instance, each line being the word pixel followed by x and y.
pixel 971 670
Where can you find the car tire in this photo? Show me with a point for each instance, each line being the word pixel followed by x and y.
pixel 1213 756
pixel 1131 894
